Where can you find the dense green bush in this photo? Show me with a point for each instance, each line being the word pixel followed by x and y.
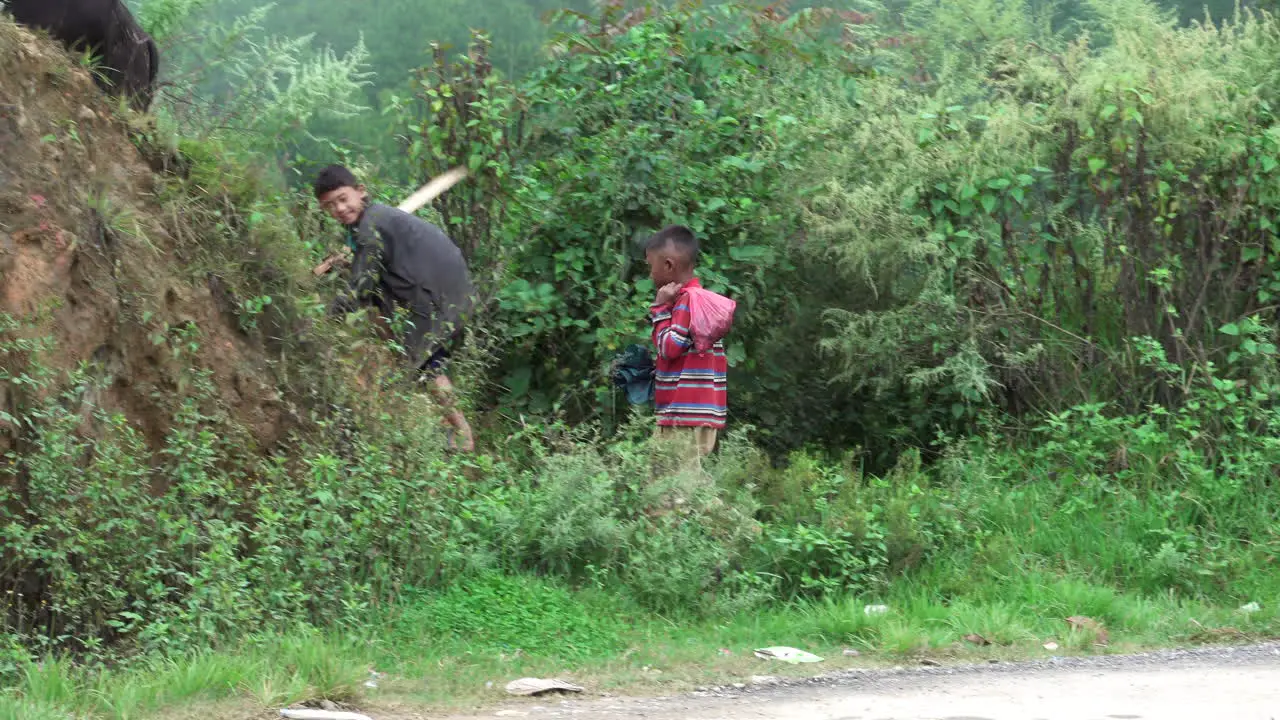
pixel 110 546
pixel 1020 234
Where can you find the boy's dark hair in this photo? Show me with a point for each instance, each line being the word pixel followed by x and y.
pixel 679 237
pixel 334 177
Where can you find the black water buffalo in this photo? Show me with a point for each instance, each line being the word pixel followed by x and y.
pixel 106 28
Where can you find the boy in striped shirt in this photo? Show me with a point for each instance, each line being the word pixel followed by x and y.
pixel 690 394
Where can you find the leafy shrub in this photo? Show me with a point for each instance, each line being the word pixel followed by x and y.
pixel 111 547
pixel 1008 226
pixel 605 514
pixel 1149 500
pixel 843 532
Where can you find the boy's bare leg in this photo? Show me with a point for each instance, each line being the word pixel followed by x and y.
pixel 442 390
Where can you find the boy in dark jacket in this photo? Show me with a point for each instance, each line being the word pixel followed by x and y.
pixel 401 261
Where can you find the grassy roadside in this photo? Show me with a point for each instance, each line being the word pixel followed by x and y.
pixel 456 650
pixel 985 554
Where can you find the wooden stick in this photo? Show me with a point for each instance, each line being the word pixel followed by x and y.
pixel 433 189
pixel 424 195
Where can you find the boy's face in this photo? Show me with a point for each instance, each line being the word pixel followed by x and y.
pixel 662 267
pixel 345 204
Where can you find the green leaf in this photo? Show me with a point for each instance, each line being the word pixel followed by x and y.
pixel 988 202
pixel 518 381
pixel 910 199
pixel 1230 329
pixel 1096 164
pixel 735 354
pixel 749 252
pixel 1107 112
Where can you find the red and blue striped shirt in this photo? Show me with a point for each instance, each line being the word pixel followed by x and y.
pixel 690 388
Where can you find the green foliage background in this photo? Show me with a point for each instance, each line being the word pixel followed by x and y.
pixel 1007 275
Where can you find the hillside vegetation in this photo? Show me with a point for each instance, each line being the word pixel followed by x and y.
pixel 1005 353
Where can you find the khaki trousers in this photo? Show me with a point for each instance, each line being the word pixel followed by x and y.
pixel 690 443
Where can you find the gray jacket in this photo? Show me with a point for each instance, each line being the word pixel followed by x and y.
pixel 403 261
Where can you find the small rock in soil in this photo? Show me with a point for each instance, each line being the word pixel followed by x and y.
pixel 1087 624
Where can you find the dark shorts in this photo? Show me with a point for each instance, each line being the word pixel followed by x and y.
pixel 438 361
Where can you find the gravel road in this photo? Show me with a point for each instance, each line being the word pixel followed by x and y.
pixel 1240 683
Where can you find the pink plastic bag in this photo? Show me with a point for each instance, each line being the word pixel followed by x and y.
pixel 711 317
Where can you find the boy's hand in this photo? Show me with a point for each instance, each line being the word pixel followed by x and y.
pixel 338 259
pixel 667 294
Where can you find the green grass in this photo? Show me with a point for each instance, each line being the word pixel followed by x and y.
pixel 458 648
pixel 1000 543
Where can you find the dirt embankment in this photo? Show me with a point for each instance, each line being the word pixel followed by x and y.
pixel 88 258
